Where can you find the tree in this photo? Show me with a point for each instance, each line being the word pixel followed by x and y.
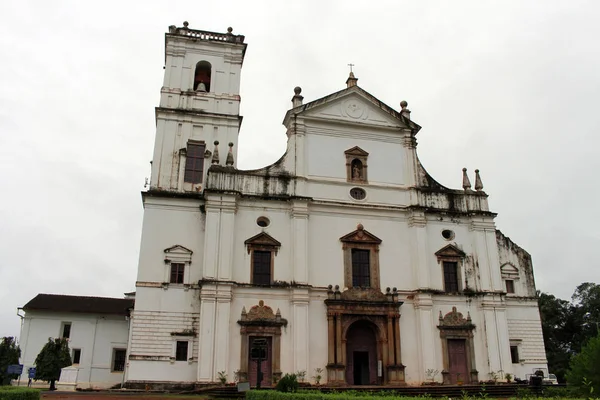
pixel 9 354
pixel 54 356
pixel 585 367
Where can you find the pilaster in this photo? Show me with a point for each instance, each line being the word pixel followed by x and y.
pixel 419 250
pixel 482 251
pixel 423 304
pixel 206 333
pixel 496 331
pixel 300 240
pixel 301 329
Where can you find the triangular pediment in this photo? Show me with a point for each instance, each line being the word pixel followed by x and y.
pixel 360 235
pixel 178 249
pixel 509 269
pixel 354 105
pixel 263 239
pixel 450 251
pixel 356 151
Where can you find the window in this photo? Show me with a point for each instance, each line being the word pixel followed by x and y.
pixel 65 330
pixel 450 258
pixel 202 77
pixel 194 163
pixel 262 249
pixel 361 259
pixel 177 270
pixel 118 364
pixel 261 272
pixel 76 356
pixel 450 277
pixel 181 350
pixel 361 268
pixel 514 354
pixel 510 286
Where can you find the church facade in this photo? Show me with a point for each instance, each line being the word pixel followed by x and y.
pixel 344 260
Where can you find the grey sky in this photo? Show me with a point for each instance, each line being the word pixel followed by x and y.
pixel 509 87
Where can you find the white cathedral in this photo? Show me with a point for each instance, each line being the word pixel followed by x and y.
pixel 343 259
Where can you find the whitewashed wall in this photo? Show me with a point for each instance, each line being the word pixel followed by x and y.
pixel 96 335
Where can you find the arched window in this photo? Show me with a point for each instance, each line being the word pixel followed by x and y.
pixel 202 76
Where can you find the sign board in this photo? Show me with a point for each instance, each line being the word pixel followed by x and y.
pixel 379 368
pixel 31 373
pixel 16 369
pixel 243 386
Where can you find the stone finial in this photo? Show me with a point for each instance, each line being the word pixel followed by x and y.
pixel 478 183
pixel 244 313
pixel 297 99
pixel 466 182
pixel 468 316
pixel 186 24
pixel 441 317
pixel 405 112
pixel 215 156
pixel 278 315
pixel 351 81
pixel 229 160
pixel 229 30
pixel 360 227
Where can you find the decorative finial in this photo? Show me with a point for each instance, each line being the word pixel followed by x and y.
pixel 229 30
pixel 441 318
pixel 185 24
pixel 404 109
pixel 388 290
pixel 360 227
pixel 297 99
pixel 469 316
pixel 261 303
pixel 215 157
pixel 351 81
pixel 466 182
pixel 478 183
pixel 229 160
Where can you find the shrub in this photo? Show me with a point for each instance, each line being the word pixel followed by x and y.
pixel 17 393
pixel 289 383
pixel 586 366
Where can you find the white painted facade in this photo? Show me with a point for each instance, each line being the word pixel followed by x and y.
pixel 305 196
pixel 97 336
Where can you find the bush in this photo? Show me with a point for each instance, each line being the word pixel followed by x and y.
pixel 584 369
pixel 18 393
pixel 289 383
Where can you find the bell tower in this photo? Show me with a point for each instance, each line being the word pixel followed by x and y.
pixel 198 119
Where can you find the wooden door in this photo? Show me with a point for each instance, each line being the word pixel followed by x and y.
pixel 266 358
pixel 457 360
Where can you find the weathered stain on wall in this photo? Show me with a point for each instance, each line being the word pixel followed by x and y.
pixel 510 253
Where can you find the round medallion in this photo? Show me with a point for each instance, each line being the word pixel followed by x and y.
pixel 354 109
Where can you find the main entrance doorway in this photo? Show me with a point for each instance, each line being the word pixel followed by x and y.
pixel 361 354
pixel 457 360
pixel 265 354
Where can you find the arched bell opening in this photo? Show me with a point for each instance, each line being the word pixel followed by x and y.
pixel 202 76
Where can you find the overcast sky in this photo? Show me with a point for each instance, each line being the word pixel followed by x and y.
pixel 509 87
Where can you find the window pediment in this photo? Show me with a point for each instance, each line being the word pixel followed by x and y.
pixel 450 251
pixel 360 235
pixel 262 240
pixel 178 253
pixel 509 270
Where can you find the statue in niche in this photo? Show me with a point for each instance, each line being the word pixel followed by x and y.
pixel 356 170
pixel 201 87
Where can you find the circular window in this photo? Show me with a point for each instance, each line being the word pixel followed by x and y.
pixel 448 234
pixel 263 222
pixel 358 193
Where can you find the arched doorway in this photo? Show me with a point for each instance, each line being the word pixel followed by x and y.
pixel 361 354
